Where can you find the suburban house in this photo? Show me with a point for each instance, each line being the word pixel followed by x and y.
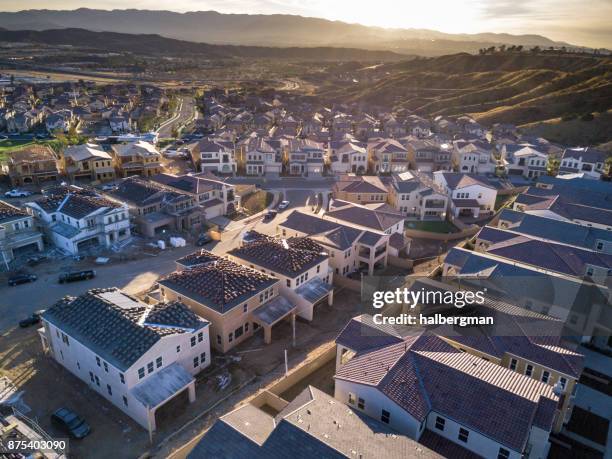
pixel 346 156
pixel 427 155
pixel 34 164
pixel 350 248
pixel 136 158
pixel 375 217
pixel 474 156
pixel 304 157
pixel 213 195
pixel 587 161
pixel 137 356
pixel 417 196
pixel 364 189
pixel 88 162
pixel 263 156
pixel 76 220
pixel 60 121
pixel 544 254
pixel 524 159
pixel 301 264
pixel 214 155
pixel 312 425
pixel 570 201
pixel 154 208
pixel 420 382
pixel 534 226
pixel 387 155
pixel 469 195
pixel 18 235
pixel 235 299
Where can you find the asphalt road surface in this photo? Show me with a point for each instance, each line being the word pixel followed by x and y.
pixel 185 114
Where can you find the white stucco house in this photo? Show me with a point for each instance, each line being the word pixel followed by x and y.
pixel 469 195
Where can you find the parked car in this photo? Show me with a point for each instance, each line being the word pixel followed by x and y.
pixel 35 259
pixel 71 423
pixel 283 205
pixel 270 216
pixel 21 279
pixel 108 187
pixel 31 320
pixel 74 276
pixel 16 193
pixel 203 240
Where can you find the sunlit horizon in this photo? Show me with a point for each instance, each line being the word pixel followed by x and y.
pixel 555 19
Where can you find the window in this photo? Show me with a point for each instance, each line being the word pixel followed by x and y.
pixel 158 362
pixel 385 416
pixel 203 357
pixel 238 332
pixel 78 365
pixel 218 339
pixel 589 271
pixel 288 283
pixel 150 367
pixel 97 381
pixel 440 423
pixel 361 403
pixel 503 453
pixel 195 362
pixel 200 337
pixel 463 434
pixel 319 267
pixel 351 398
pixel 178 348
pixel 91 376
pixel 563 383
pixel 141 373
pixel 545 376
pixel 529 370
pixel 513 363
pixel 122 378
pixel 245 308
pixel 193 341
pixel 600 245
pixel 109 389
pixel 98 360
pixel 231 337
pixel 105 366
pixel 125 402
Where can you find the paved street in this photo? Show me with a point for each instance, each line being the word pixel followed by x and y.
pixel 134 276
pixel 186 107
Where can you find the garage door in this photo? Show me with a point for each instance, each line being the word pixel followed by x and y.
pixel 25 250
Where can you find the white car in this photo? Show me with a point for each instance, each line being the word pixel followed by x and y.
pixel 15 193
pixel 283 205
pixel 108 187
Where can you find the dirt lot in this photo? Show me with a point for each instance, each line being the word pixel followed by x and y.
pixel 46 386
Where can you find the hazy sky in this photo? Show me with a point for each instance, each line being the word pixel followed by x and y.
pixel 582 22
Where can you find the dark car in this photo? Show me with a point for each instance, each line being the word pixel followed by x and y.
pixel 270 216
pixel 21 279
pixel 32 320
pixel 71 423
pixel 74 276
pixel 203 240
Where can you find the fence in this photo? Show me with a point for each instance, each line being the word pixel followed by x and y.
pixel 418 234
pixel 351 284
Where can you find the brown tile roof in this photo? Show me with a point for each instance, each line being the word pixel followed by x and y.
pixel 288 257
pixel 9 212
pixel 221 285
pixel 33 153
pixel 199 257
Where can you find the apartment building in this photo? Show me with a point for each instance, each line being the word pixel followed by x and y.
pixel 137 356
pixel 417 196
pixel 87 162
pixel 136 158
pixel 235 299
pixel 76 220
pixel 34 164
pixel 420 382
pixel 18 233
pixel 300 263
pixel 469 195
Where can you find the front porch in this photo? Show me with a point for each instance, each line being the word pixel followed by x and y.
pixel 273 312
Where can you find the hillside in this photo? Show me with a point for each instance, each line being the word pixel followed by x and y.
pixel 264 30
pixel 510 87
pixel 152 44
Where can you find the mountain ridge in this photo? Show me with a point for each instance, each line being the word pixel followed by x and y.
pixel 280 30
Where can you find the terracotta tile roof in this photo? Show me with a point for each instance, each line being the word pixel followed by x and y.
pixel 289 257
pixel 9 212
pixel 220 285
pixel 199 257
